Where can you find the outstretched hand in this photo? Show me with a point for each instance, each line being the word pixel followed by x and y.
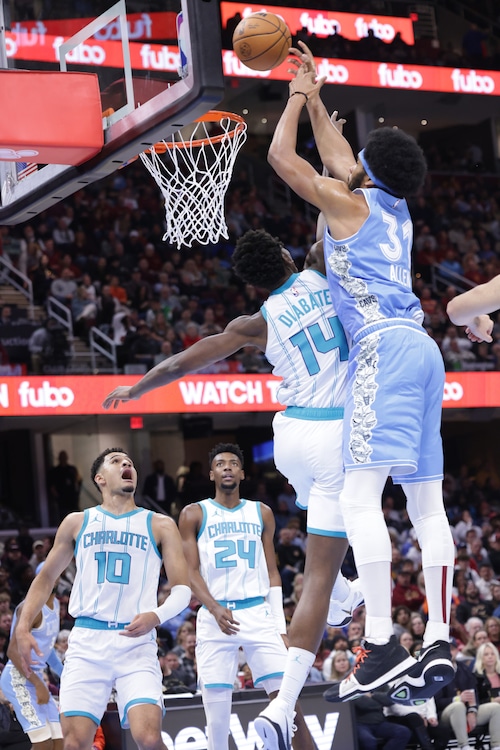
pixel 122 393
pixel 303 56
pixel 480 329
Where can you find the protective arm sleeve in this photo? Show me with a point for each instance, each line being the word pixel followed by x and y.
pixel 177 601
pixel 275 599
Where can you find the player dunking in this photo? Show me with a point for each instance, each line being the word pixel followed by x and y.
pixel 396 379
pixel 228 543
pixel 119 549
pixel 35 708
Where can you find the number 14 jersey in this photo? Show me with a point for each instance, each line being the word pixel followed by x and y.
pixel 306 343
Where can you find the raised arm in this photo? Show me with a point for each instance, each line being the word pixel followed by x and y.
pixel 190 521
pixel 335 152
pixel 243 331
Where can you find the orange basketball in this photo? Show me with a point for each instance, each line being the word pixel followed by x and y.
pixel 262 40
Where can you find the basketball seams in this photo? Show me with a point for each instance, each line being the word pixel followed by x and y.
pixel 262 38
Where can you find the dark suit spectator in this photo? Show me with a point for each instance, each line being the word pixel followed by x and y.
pixel 160 486
pixel 64 483
pixel 374 729
pixel 290 558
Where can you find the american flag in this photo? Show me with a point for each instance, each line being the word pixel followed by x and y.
pixel 25 168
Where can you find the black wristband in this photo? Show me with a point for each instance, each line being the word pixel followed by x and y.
pixel 300 92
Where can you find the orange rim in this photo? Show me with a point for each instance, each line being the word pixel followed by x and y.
pixel 211 116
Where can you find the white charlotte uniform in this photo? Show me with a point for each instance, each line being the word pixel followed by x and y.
pixel 307 347
pixel 40 721
pixel 117 570
pixel 396 372
pixel 233 565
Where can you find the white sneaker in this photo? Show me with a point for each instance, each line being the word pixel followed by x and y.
pixel 340 613
pixel 275 726
pixel 465 747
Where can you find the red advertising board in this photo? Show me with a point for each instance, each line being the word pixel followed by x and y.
pixel 323 23
pixel 60 395
pixel 165 58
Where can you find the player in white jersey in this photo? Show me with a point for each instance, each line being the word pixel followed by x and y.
pixel 396 380
pixel 35 708
pixel 298 329
pixel 119 549
pixel 229 545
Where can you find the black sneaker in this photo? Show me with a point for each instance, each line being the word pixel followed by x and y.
pixel 433 670
pixel 375 666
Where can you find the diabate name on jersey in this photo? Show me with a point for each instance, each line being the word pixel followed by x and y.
pixel 304 305
pixel 233 527
pixel 127 538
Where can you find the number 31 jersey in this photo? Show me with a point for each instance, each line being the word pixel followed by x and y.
pixel 232 559
pixel 118 566
pixel 306 343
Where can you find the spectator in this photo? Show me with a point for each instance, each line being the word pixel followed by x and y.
pixel 41 346
pixel 188 661
pixel 473 606
pixel 38 553
pixel 458 707
pixel 64 484
pixel 405 591
pixel 290 558
pixel 487 671
pixel 172 683
pixel 373 728
pixel 64 288
pixel 336 666
pixel 160 487
pixel 492 627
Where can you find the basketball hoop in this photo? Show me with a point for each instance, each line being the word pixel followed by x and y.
pixel 193 175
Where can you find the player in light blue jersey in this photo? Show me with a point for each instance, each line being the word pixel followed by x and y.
pixel 35 708
pixel 229 546
pixel 119 549
pixel 396 378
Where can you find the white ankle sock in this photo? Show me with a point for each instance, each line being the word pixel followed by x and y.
pixel 298 665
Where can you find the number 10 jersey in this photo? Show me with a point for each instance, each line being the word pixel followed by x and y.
pixel 118 565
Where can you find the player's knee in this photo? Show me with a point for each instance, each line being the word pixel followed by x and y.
pixel 149 738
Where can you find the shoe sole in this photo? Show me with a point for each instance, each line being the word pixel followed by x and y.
pixel 347 620
pixel 270 733
pixel 395 672
pixel 413 691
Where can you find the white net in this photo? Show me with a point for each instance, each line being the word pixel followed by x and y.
pixel 193 173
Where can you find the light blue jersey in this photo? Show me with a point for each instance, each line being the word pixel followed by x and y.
pixel 370 272
pixel 39 720
pixel 396 372
pixel 306 345
pixel 232 559
pixel 117 566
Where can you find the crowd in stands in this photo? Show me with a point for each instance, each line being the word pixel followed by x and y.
pixel 100 254
pixel 478 47
pixel 474 515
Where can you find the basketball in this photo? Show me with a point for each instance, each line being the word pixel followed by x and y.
pixel 262 40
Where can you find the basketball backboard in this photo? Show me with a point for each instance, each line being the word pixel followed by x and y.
pixel 151 85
